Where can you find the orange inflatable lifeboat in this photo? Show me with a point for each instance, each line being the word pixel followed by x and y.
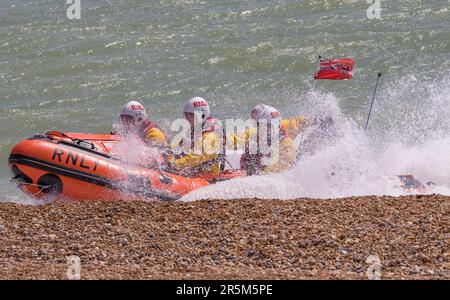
pixel 78 166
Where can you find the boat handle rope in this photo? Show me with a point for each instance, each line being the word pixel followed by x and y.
pixel 42 187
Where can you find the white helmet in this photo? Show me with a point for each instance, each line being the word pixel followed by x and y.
pixel 265 112
pixel 197 104
pixel 135 110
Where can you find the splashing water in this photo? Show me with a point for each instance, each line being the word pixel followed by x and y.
pixel 345 161
pixel 131 151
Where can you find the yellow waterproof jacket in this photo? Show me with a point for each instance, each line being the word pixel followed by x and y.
pixel 151 134
pixel 280 161
pixel 206 162
pixel 294 126
pixel 155 136
pixel 286 157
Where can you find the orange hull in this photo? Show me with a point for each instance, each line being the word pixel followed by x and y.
pixel 77 166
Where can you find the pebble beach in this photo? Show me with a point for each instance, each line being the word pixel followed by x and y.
pixel 352 238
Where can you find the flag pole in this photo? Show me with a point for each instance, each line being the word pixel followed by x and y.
pixel 373 100
pixel 314 80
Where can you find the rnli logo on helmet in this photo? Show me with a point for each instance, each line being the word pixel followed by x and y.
pixel 200 104
pixel 137 107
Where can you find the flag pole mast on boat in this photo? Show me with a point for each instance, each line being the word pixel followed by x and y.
pixel 318 68
pixel 373 100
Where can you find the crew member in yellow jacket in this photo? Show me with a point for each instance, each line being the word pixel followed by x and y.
pixel 276 152
pixel 135 121
pixel 207 159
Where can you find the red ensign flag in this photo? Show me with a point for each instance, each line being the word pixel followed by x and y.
pixel 335 69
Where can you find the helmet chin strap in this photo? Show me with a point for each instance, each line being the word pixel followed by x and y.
pixel 204 119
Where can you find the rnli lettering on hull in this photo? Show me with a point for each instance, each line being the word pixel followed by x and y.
pixel 74 158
